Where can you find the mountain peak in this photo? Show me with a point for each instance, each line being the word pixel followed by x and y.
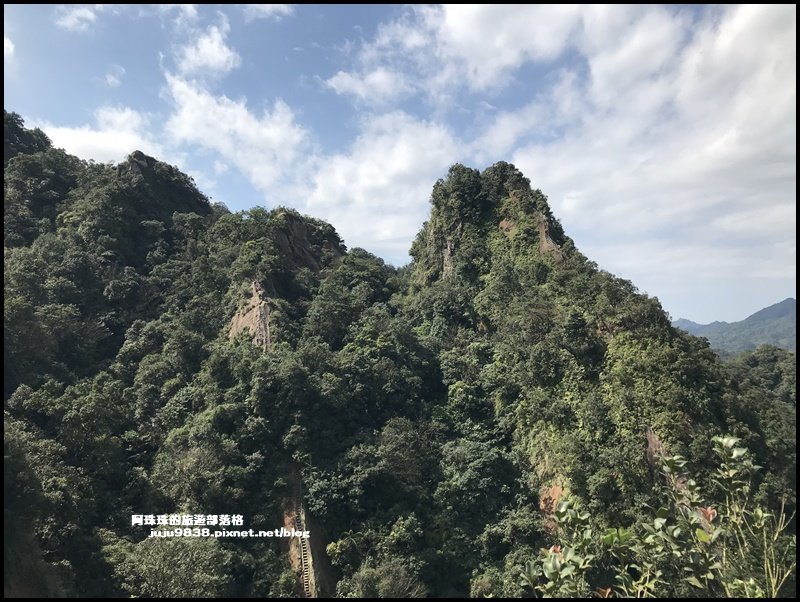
pixel 470 209
pixel 136 162
pixel 773 325
pixel 785 308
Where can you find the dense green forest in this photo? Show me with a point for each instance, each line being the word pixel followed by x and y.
pixel 498 418
pixel 773 325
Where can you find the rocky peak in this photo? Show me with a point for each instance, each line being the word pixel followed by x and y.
pixel 136 162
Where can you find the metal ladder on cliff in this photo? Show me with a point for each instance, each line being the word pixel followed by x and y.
pixel 305 558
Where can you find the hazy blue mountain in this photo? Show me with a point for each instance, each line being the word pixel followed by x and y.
pixel 689 326
pixel 773 325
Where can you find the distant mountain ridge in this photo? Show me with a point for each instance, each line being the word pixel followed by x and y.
pixel 773 325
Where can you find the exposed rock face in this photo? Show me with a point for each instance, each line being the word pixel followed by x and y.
pixel 296 243
pixel 546 244
pixel 253 317
pixel 136 162
pixel 447 257
pixel 305 242
pixel 293 240
pixel 549 497
pixel 468 207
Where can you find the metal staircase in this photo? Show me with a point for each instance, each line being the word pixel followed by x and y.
pixel 305 552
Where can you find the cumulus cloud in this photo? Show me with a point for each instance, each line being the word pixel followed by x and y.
pixel 667 140
pixel 682 133
pixel 376 194
pixel 8 49
pixel 439 50
pixel 394 63
pixel 182 14
pixel 664 137
pixel 117 132
pixel 82 17
pixel 78 17
pixel 209 53
pixel 375 87
pixel 645 124
pixel 271 149
pixel 487 41
pixel 267 11
pixel 113 78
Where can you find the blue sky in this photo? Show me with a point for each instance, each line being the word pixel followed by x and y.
pixel 664 137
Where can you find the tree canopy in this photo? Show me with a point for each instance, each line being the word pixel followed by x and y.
pixel 435 417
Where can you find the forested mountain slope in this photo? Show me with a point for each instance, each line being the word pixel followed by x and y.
pixel 773 325
pixel 431 416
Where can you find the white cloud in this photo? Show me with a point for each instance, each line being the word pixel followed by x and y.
pixel 652 129
pixel 653 38
pixel 184 14
pixel 117 132
pixel 394 64
pixel 271 150
pixel 81 17
pixel 664 137
pixel 439 50
pixel 671 141
pixel 209 53
pixel 267 11
pixel 113 78
pixel 78 17
pixel 376 194
pixel 487 41
pixel 376 87
pixel 8 49
pixel 681 133
pixel 778 221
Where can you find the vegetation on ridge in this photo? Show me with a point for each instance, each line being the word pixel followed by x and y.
pixel 437 415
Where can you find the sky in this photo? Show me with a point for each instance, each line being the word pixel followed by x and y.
pixel 664 137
